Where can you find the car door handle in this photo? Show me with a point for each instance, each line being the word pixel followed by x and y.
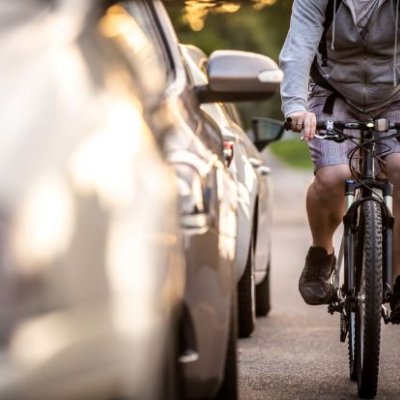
pixel 264 170
pixel 255 162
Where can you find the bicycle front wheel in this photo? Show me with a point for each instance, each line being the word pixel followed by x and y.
pixel 368 299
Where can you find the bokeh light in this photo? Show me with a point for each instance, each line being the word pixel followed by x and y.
pixel 196 11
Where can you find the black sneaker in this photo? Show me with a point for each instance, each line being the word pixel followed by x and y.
pixel 314 285
pixel 395 301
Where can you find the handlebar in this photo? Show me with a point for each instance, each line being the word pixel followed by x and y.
pixel 333 130
pixel 377 125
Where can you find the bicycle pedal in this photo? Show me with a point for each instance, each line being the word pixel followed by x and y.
pixel 394 320
pixel 385 314
pixel 388 318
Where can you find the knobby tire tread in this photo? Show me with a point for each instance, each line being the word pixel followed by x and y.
pixel 352 348
pixel 372 279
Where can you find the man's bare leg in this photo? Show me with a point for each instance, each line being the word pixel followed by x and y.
pixel 325 204
pixel 325 207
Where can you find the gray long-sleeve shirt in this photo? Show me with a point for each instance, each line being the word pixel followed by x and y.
pixel 363 69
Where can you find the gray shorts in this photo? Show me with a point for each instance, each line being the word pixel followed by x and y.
pixel 326 152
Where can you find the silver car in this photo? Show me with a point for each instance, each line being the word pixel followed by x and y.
pixel 252 258
pixel 91 268
pixel 208 201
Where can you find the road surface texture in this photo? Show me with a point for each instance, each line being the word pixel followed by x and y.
pixel 295 352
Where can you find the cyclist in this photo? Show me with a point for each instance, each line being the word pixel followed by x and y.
pixel 355 65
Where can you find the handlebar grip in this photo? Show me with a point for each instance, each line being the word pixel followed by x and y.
pixel 287 124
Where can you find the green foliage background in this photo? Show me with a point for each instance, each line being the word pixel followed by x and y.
pixel 261 31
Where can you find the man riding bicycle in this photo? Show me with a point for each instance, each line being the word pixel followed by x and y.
pixel 351 49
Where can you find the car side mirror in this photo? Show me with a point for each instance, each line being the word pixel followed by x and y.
pixel 265 131
pixel 235 75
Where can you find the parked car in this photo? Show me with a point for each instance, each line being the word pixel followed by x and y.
pixel 91 266
pixel 208 196
pixel 253 255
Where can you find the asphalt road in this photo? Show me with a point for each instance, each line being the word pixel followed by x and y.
pixel 295 352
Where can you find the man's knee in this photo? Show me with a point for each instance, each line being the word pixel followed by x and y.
pixel 329 182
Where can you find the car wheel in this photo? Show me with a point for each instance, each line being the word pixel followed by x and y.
pixel 246 296
pixel 172 375
pixel 229 387
pixel 263 295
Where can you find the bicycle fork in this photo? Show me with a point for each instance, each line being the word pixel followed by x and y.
pixel 348 247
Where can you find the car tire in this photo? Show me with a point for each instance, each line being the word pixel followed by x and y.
pixel 229 388
pixel 246 297
pixel 263 295
pixel 172 375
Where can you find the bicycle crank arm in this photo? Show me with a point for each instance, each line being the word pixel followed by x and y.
pixel 336 304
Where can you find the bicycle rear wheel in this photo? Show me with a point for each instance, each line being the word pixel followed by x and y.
pixel 350 260
pixel 368 300
pixel 351 318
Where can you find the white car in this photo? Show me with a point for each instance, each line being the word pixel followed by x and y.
pixel 252 260
pixel 91 268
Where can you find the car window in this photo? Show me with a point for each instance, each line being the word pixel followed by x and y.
pixel 233 113
pixel 215 111
pixel 197 77
pixel 140 12
pixel 117 24
pixel 223 113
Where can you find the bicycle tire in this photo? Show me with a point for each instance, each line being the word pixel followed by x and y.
pixel 352 345
pixel 369 295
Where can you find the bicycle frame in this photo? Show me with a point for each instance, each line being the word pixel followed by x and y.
pixel 356 193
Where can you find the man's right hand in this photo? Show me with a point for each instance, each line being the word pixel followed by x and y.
pixel 304 121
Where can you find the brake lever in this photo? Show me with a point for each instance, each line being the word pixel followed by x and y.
pixel 336 137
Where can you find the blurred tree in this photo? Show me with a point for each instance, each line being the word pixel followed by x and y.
pixel 258 26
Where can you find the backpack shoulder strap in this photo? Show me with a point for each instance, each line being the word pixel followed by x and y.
pixel 329 12
pixel 327 23
pixel 322 49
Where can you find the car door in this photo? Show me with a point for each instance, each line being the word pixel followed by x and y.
pixel 208 212
pixel 91 271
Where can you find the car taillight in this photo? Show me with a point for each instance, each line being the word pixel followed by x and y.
pixel 228 151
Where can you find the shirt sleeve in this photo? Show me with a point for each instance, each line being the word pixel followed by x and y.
pixel 298 52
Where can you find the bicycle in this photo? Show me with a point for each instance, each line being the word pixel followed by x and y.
pixel 365 252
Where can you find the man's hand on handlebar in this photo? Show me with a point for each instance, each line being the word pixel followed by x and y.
pixel 304 121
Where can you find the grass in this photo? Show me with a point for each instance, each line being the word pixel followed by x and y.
pixel 292 152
